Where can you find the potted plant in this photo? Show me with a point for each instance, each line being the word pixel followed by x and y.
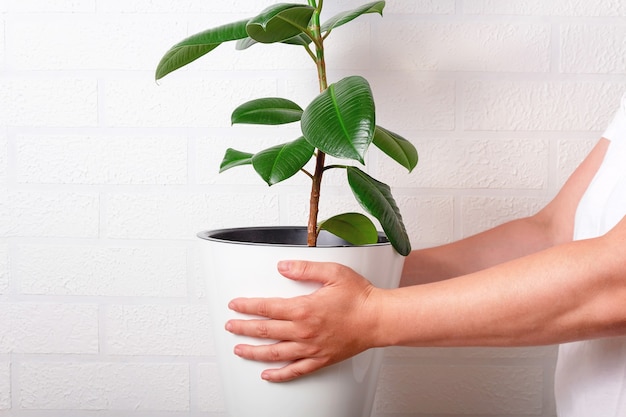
pixel 340 122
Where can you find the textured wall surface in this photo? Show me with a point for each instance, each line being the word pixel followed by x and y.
pixel 106 176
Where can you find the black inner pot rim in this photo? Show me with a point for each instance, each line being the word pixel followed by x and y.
pixel 279 235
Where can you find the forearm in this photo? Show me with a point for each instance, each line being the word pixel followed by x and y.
pixel 569 292
pixel 503 243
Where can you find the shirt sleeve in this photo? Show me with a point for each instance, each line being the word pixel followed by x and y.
pixel 616 131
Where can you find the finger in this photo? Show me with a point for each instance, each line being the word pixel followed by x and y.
pixel 322 272
pixel 272 308
pixel 275 352
pixel 263 329
pixel 293 370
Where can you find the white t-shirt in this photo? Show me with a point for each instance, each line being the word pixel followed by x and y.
pixel 590 378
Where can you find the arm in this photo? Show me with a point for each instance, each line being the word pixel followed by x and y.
pixel 571 290
pixel 551 226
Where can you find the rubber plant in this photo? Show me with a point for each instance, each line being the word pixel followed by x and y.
pixel 340 121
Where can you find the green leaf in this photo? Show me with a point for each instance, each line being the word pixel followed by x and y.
pixel 375 197
pixel 355 228
pixel 345 17
pixel 234 158
pixel 198 45
pixel 341 120
pixel 267 111
pixel 280 22
pixel 399 149
pixel 280 162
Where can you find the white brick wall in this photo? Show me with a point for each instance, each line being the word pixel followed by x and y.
pixel 106 176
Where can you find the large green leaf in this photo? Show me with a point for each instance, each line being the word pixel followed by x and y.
pixel 355 228
pixel 198 45
pixel 345 17
pixel 267 111
pixel 375 197
pixel 280 22
pixel 234 158
pixel 399 149
pixel 280 162
pixel 341 120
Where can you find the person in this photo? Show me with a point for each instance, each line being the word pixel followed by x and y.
pixel 556 277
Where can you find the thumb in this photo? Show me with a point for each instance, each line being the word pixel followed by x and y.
pixel 321 272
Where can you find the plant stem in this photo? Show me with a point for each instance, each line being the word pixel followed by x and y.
pixel 321 156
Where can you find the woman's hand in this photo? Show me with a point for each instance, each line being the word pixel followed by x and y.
pixel 334 323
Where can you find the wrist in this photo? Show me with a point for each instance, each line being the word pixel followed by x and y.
pixel 379 329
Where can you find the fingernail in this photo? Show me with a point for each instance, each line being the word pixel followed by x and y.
pixel 229 326
pixel 265 376
pixel 237 351
pixel 283 266
pixel 231 305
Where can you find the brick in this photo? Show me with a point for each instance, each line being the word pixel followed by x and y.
pixel 4 159
pixel 101 160
pixel 102 271
pixel 4 268
pixel 47 6
pixel 578 8
pixel 158 330
pixel 465 389
pixel 182 216
pixel 125 42
pixel 593 49
pixel 2 43
pixel 210 396
pixel 472 163
pixel 463 46
pixel 183 6
pixel 5 386
pixel 482 213
pixel 49 214
pixel 429 220
pixel 104 386
pixel 41 103
pixel 179 101
pixel 533 106
pixel 406 102
pixel 49 328
pixel 570 154
pixel 422 7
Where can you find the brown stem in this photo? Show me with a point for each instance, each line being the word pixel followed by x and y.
pixel 315 199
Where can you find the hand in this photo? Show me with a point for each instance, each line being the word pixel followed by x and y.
pixel 332 324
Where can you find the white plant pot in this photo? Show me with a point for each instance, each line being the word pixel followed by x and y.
pixel 248 269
